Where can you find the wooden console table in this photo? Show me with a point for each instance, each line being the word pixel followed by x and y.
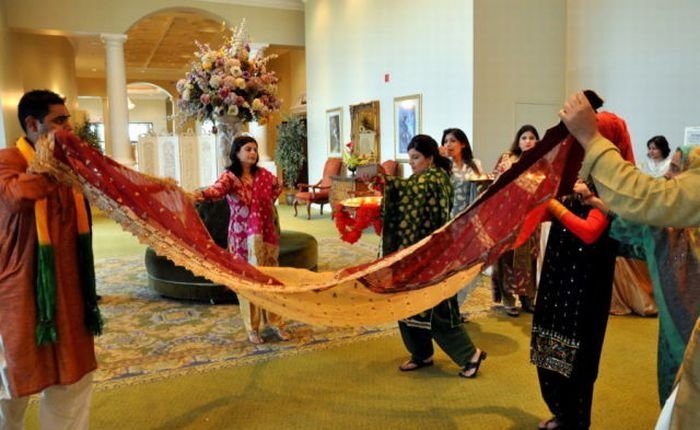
pixel 342 188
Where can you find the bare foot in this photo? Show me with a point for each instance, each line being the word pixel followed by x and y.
pixel 254 337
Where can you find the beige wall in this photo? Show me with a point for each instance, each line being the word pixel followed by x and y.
pixel 297 75
pixel 519 63
pixel 425 46
pixel 642 57
pixel 47 62
pixel 289 67
pixel 88 16
pixel 10 85
pixel 36 62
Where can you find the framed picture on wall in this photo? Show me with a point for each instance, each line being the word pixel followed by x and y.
pixel 334 124
pixel 407 123
pixel 364 129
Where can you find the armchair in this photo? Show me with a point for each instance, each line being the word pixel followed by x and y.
pixel 390 167
pixel 318 193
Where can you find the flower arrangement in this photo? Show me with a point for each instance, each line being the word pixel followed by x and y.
pixel 228 82
pixel 352 159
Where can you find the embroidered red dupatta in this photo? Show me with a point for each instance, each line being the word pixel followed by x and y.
pixel 401 284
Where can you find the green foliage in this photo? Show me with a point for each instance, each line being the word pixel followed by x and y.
pixel 89 135
pixel 291 136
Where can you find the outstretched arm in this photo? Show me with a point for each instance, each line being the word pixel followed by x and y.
pixel 588 230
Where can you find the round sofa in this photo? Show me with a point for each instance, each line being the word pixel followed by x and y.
pixel 297 249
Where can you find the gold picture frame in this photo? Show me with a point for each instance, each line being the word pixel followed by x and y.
pixel 364 128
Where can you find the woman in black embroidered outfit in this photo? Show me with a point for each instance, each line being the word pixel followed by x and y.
pixel 571 312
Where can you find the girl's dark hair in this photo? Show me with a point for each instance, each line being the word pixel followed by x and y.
pixel 661 143
pixel 236 167
pixel 467 154
pixel 515 146
pixel 427 146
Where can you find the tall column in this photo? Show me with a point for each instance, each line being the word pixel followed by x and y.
pixel 259 132
pixel 116 94
pixel 107 126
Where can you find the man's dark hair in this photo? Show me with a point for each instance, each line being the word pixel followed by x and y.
pixel 36 103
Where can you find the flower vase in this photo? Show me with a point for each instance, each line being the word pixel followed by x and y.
pixel 226 129
pixel 352 171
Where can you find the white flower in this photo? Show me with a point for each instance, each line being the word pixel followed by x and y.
pixel 227 81
pixel 215 82
pixel 257 104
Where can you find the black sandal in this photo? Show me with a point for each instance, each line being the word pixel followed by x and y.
pixel 473 365
pixel 547 424
pixel 411 365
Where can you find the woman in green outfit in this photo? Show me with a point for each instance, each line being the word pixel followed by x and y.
pixel 673 258
pixel 414 208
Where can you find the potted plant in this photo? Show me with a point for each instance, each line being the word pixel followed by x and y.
pixel 289 155
pixel 87 132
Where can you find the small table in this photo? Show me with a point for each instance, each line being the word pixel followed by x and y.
pixel 343 187
pixel 356 214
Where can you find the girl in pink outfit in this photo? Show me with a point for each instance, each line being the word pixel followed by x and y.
pixel 253 233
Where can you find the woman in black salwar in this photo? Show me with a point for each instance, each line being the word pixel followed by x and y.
pixel 571 312
pixel 414 208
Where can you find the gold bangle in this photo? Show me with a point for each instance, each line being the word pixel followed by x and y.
pixel 557 209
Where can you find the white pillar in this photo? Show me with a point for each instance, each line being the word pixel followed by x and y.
pixel 107 124
pixel 259 132
pixel 116 94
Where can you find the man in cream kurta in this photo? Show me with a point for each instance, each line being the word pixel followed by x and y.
pixel 61 371
pixel 643 199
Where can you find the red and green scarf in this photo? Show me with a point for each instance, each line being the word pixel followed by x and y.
pixel 46 265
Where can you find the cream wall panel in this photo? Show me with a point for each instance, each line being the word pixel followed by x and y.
pixel 519 49
pixel 10 84
pixel 152 111
pixel 642 57
pixel 425 46
pixel 46 62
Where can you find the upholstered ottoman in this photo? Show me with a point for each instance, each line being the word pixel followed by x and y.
pixel 297 249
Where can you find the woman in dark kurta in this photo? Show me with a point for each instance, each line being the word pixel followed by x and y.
pixel 571 313
pixel 413 209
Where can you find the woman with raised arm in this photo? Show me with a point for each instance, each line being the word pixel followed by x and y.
pixel 253 232
pixel 413 208
pixel 571 313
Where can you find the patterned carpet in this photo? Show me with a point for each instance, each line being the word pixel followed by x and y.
pixel 149 337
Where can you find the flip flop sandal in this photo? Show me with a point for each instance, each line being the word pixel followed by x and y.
pixel 412 365
pixel 473 365
pixel 547 425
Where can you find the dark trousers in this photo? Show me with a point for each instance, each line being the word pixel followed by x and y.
pixel 569 399
pixel 442 324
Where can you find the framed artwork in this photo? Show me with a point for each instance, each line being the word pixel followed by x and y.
pixel 407 123
pixel 364 128
pixel 334 124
